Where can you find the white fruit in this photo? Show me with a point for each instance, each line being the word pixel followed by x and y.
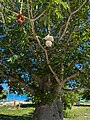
pixel 48 43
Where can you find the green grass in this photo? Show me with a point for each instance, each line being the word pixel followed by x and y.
pixel 8 113
pixel 78 113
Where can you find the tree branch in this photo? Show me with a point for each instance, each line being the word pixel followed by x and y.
pixel 34 19
pixel 70 36
pixel 71 77
pixel 3 20
pixel 62 71
pixel 71 65
pixel 79 7
pixel 22 83
pixel 28 11
pixel 69 6
pixel 69 18
pixel 75 89
pixel 46 54
pixel 45 51
pixel 67 23
pixel 48 62
pixel 31 9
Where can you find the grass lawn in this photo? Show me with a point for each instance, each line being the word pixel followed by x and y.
pixel 79 113
pixel 8 113
pixel 76 113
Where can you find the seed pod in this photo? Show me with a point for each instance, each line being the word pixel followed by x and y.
pixel 49 39
pixel 20 18
pixel 20 21
pixel 48 43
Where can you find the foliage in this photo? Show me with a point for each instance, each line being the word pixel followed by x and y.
pixel 69 99
pixel 21 114
pixel 78 113
pixel 1 88
pixel 27 64
pixel 2 93
pixel 86 95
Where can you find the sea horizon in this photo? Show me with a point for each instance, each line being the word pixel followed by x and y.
pixel 14 97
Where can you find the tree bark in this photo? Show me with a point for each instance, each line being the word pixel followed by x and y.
pixel 52 111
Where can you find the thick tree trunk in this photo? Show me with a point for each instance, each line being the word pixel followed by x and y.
pixel 49 112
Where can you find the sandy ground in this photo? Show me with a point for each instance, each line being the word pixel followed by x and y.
pixel 11 103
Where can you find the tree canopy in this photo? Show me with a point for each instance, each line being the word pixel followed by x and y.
pixel 23 49
pixel 28 64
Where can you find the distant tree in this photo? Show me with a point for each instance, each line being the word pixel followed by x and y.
pixel 44 48
pixel 86 95
pixel 69 99
pixel 1 88
pixel 2 93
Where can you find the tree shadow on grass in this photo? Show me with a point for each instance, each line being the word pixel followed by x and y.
pixel 9 117
pixel 82 105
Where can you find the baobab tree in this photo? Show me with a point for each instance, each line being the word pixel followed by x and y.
pixel 45 46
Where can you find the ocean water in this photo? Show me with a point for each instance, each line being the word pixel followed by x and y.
pixel 16 97
pixel 11 97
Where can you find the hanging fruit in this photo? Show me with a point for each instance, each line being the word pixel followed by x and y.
pixel 49 39
pixel 20 18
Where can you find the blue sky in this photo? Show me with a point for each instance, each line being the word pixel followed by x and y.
pixel 13 96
